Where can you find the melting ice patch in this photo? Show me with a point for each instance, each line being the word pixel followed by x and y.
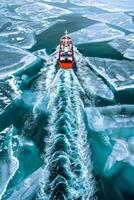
pixel 91 33
pixel 114 72
pixel 17 59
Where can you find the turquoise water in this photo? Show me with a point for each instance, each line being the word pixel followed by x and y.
pixel 66 134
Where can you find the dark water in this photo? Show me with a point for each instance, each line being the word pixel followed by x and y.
pixel 66 134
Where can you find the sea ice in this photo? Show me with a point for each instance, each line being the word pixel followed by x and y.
pixel 114 5
pixel 124 45
pixel 129 53
pixel 114 72
pixel 91 83
pixel 110 117
pixel 91 33
pixel 119 19
pixel 43 11
pixel 120 44
pixel 28 187
pixel 17 59
pixel 60 1
pixel 22 37
pixel 81 2
pixel 122 151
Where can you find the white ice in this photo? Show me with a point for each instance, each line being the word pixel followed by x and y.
pixel 43 11
pixel 91 33
pixel 91 83
pixel 110 117
pixel 119 19
pixel 8 166
pixel 17 59
pixel 122 151
pixel 23 37
pixel 27 188
pixel 129 53
pixel 81 2
pixel 114 5
pixel 124 45
pixel 114 71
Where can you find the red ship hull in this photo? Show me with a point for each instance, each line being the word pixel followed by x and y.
pixel 66 65
pixel 66 54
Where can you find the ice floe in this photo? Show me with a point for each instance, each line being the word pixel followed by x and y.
pixel 43 11
pixel 110 117
pixel 129 53
pixel 114 6
pixel 119 19
pixel 118 74
pixel 17 59
pixel 27 188
pixel 81 2
pixel 124 45
pixel 123 150
pixel 91 33
pixel 23 37
pixel 91 83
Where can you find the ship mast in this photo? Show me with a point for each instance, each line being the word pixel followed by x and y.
pixel 66 33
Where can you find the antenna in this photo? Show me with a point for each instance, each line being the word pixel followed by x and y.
pixel 66 33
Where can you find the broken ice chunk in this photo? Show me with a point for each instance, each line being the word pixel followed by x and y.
pixel 91 83
pixel 117 73
pixel 81 2
pixel 120 44
pixel 60 1
pixel 119 19
pixel 110 117
pixel 124 45
pixel 114 6
pixel 13 59
pixel 42 10
pixel 19 37
pixel 95 33
pixel 129 53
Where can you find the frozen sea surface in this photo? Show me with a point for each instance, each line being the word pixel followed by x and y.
pixel 119 19
pixel 110 117
pixel 91 83
pixel 17 59
pixel 114 6
pixel 114 72
pixel 43 11
pixel 90 34
pixel 124 45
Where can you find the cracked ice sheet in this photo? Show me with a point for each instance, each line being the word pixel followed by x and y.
pixel 88 78
pixel 119 74
pixel 81 2
pixel 114 5
pixel 18 37
pixel 122 151
pixel 43 11
pixel 13 59
pixel 120 19
pixel 124 45
pixel 110 117
pixel 90 34
pixel 129 53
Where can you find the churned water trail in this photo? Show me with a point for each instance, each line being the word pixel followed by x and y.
pixel 67 170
